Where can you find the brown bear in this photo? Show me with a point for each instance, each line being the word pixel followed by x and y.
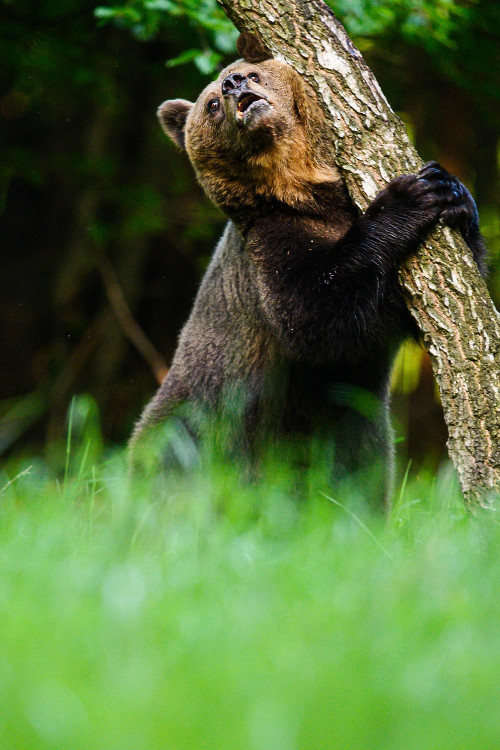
pixel 299 315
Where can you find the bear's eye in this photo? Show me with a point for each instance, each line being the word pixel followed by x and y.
pixel 253 77
pixel 213 105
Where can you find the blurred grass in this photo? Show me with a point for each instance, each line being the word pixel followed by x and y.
pixel 234 616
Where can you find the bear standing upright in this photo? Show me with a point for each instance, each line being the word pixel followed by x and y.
pixel 300 313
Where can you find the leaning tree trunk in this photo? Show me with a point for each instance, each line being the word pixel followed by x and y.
pixel 445 294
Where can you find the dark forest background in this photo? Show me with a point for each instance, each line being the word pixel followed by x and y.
pixel 95 201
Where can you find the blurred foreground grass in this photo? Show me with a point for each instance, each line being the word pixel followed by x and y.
pixel 233 616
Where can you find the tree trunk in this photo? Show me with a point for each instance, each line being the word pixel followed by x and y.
pixel 445 294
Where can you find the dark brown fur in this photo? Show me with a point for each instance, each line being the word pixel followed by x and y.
pixel 298 317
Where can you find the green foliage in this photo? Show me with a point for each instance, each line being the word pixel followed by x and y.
pixel 148 19
pixel 448 31
pixel 460 40
pixel 490 227
pixel 85 171
pixel 406 369
pixel 233 615
pixel 430 23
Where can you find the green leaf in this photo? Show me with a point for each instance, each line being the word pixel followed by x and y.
pixel 185 57
pixel 105 13
pixel 207 62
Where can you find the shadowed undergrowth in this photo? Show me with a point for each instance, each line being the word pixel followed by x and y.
pixel 234 615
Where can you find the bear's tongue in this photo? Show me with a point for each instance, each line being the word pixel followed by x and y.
pixel 246 100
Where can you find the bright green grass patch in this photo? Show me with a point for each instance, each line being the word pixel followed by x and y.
pixel 234 616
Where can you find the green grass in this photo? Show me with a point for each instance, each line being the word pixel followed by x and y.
pixel 234 616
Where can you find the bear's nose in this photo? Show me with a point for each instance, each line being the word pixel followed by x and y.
pixel 233 82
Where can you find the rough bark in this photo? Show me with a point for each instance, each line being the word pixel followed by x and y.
pixel 446 295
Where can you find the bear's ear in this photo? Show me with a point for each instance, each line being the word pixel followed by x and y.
pixel 172 115
pixel 251 48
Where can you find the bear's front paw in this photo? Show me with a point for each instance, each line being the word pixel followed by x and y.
pixel 419 198
pixel 458 209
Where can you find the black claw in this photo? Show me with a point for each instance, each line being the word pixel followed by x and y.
pixel 436 185
pixel 431 170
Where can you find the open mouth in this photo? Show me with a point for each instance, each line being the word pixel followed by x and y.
pixel 246 100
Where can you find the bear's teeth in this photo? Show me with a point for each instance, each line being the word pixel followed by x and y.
pixel 246 101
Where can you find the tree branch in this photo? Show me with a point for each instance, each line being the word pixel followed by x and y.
pixel 446 295
pixel 128 324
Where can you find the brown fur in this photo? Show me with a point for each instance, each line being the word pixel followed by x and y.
pixel 298 317
pixel 251 48
pixel 286 168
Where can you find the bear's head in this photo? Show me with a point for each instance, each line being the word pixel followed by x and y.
pixel 254 133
